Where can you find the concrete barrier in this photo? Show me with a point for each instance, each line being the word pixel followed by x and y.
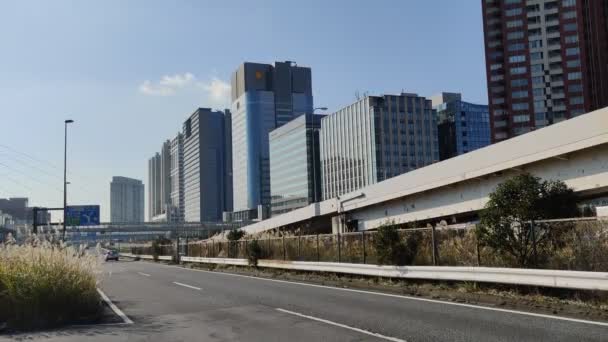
pixel 534 277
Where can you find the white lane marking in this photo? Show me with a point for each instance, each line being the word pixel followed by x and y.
pixel 388 338
pixel 186 285
pixel 144 274
pixel 473 306
pixel 114 307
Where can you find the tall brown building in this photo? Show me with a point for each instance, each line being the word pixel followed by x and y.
pixel 546 61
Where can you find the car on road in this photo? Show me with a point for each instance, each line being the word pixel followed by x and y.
pixel 110 255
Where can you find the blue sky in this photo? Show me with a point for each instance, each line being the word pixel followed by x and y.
pixel 130 72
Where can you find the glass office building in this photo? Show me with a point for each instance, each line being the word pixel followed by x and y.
pixel 264 97
pixel 294 164
pixel 376 138
pixel 462 126
pixel 204 163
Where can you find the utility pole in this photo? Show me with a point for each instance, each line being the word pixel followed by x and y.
pixel 65 181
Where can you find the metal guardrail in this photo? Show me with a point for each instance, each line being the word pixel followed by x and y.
pixel 533 277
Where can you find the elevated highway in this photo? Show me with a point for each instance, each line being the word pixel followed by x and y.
pixel 574 151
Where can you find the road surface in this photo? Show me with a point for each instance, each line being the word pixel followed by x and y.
pixel 169 303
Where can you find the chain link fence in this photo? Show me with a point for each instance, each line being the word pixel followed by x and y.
pixel 582 245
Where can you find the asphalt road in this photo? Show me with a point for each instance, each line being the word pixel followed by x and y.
pixel 168 303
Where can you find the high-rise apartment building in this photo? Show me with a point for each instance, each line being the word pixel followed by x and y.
pixel 126 200
pixel 159 184
pixel 462 126
pixel 154 175
pixel 176 213
pixel 204 165
pixel 264 97
pixel 546 61
pixel 376 138
pixel 295 172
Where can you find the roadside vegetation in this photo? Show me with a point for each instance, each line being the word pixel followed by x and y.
pixel 45 284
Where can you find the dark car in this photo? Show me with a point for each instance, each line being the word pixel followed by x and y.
pixel 111 255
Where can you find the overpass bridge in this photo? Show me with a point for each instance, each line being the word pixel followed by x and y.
pixel 145 231
pixel 574 151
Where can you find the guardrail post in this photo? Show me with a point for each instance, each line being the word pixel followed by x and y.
pixel 363 244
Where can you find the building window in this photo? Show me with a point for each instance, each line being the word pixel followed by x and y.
pixel 572 51
pixel 536 56
pixel 539 105
pixel 575 88
pixel 536 67
pixel 516 46
pixel 536 44
pixel 571 39
pixel 514 23
pixel 575 63
pixel 568 3
pixel 513 12
pixel 495 66
pixel 500 135
pixel 519 94
pixel 517 59
pixel 538 80
pixel 510 2
pixel 515 35
pixel 519 82
pixel 538 92
pixel 521 118
pixel 498 100
pixel 521 106
pixel 574 76
pixel 576 100
pixel 569 15
pixel 518 70
pixel 570 27
pixel 500 123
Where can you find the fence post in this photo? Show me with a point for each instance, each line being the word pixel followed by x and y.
pixel 284 250
pixel 339 249
pixel 269 248
pixel 246 248
pixel 534 255
pixel 363 244
pixel 318 255
pixel 434 245
pixel 212 249
pixel 299 252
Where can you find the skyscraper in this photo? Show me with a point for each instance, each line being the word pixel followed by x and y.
pixel 295 172
pixel 126 200
pixel 204 163
pixel 376 138
pixel 546 61
pixel 264 97
pixel 462 126
pixel 176 212
pixel 159 184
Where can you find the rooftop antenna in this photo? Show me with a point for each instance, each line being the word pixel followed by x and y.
pixel 357 95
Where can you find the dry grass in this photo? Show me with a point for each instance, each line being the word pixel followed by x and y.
pixel 45 284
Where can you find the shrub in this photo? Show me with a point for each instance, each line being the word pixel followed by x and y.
pixel 46 285
pixel 254 252
pixel 391 249
pixel 235 234
pixel 507 221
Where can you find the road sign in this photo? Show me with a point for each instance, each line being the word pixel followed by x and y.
pixel 82 215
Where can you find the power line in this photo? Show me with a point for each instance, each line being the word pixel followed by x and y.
pixel 32 178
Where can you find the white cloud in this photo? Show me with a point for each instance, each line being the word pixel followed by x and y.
pixel 167 85
pixel 218 92
pixel 215 92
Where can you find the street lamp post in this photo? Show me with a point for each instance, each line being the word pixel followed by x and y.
pixel 65 182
